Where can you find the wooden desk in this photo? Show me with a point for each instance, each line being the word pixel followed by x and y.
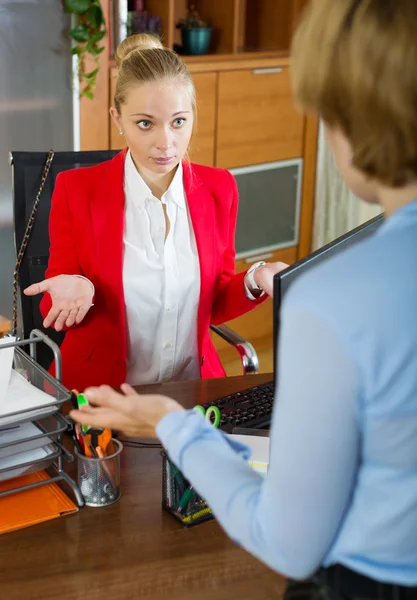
pixel 134 549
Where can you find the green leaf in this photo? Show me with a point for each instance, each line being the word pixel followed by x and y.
pixel 94 50
pixel 97 37
pixel 87 93
pixel 77 7
pixel 95 16
pixel 75 50
pixel 80 33
pixel 91 74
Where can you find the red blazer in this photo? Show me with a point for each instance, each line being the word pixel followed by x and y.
pixel 86 238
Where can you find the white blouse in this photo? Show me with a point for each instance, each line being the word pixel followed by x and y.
pixel 161 280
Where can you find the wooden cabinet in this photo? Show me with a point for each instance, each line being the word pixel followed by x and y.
pixel 257 119
pixel 255 326
pixel 202 143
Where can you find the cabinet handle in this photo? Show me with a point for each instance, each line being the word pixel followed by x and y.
pixel 254 259
pixel 267 71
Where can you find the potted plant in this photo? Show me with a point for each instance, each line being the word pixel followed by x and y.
pixel 195 34
pixel 88 30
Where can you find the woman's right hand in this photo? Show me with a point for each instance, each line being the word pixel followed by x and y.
pixel 71 299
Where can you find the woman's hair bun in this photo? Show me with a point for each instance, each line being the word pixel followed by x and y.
pixel 136 43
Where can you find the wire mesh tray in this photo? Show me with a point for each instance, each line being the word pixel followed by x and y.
pixel 28 465
pixel 179 499
pixel 32 373
pixel 19 437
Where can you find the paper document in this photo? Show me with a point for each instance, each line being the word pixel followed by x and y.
pixel 21 463
pixel 23 396
pixel 6 362
pixel 260 451
pixel 20 436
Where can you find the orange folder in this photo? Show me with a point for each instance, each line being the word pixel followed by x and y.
pixel 32 506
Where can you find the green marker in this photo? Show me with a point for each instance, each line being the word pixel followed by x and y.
pixel 82 400
pixel 186 499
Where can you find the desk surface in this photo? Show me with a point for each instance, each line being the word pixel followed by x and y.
pixel 133 549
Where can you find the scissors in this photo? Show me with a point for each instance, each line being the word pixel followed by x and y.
pixel 96 442
pixel 211 410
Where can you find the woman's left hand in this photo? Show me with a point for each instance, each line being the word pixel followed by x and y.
pixel 264 276
pixel 134 415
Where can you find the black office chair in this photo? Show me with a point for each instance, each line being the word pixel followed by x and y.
pixel 27 170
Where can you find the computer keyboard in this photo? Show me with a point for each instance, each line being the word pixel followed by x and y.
pixel 250 408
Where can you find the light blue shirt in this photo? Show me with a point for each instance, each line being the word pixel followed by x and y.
pixel 342 480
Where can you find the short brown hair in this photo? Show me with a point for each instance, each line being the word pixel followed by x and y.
pixel 142 58
pixel 354 63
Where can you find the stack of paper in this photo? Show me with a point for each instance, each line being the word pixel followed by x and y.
pixel 22 463
pixel 17 394
pixel 23 396
pixel 21 436
pixel 259 445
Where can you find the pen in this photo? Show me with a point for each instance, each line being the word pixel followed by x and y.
pixel 78 439
pixel 197 515
pixel 185 499
pixel 77 444
pixel 100 454
pixel 74 394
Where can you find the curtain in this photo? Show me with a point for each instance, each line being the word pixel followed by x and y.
pixel 337 210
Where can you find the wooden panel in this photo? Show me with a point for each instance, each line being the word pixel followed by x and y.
pixel 203 142
pixel 180 11
pixel 298 7
pixel 117 141
pixel 268 24
pixel 94 122
pixel 220 14
pixel 256 326
pixel 257 119
pixel 309 186
pixel 165 10
pixel 229 62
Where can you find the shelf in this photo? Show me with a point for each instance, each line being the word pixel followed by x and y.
pixel 230 62
pixel 238 25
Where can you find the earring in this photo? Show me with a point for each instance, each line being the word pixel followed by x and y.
pixel 121 132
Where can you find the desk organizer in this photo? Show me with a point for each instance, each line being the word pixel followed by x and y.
pixel 49 426
pixel 178 499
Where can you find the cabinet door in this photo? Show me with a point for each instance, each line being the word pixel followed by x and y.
pixel 257 119
pixel 202 143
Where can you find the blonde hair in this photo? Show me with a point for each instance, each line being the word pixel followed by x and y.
pixel 354 64
pixel 142 58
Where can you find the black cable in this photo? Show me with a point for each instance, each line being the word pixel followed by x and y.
pixel 134 444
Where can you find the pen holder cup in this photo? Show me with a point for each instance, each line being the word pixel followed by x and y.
pixel 99 478
pixel 186 506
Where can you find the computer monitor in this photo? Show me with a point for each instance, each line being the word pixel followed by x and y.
pixel 251 409
pixel 285 278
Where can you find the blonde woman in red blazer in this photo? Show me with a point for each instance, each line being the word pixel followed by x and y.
pixel 96 241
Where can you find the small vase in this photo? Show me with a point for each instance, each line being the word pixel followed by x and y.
pixel 196 40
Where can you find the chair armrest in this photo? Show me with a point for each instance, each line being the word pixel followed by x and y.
pixel 246 351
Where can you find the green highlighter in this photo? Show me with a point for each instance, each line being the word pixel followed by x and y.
pixel 82 400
